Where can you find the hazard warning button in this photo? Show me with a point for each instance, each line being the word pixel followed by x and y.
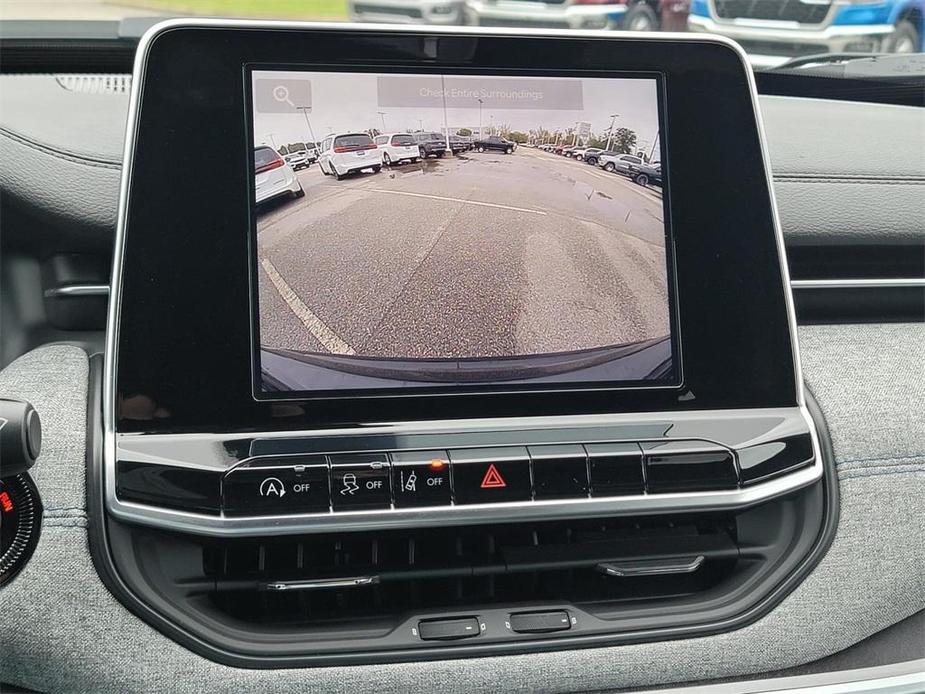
pixel 491 475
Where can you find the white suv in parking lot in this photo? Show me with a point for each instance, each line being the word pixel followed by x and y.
pixel 273 176
pixel 609 161
pixel 348 152
pixel 397 148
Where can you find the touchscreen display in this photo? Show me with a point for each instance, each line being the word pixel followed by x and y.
pixel 422 231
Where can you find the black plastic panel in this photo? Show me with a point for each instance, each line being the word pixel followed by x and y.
pixel 769 459
pixel 171 487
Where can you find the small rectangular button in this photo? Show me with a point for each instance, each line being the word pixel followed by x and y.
pixel 688 466
pixel 559 472
pixel 491 475
pixel 421 478
pixel 448 629
pixel 289 485
pixel 773 458
pixel 616 469
pixel 360 481
pixel 540 622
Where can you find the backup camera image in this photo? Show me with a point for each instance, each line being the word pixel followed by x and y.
pixel 429 231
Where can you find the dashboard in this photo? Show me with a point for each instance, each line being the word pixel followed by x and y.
pixel 454 401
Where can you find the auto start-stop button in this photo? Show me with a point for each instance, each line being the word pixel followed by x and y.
pixel 285 486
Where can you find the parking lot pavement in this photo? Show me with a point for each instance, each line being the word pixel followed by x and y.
pixel 471 256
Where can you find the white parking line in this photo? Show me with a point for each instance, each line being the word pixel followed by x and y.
pixel 636 188
pixel 315 325
pixel 460 200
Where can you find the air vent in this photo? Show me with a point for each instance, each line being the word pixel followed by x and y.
pixel 390 574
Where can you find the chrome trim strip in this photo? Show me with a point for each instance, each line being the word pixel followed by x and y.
pixel 880 283
pixel 322 583
pixel 453 515
pixel 78 290
pixel 684 565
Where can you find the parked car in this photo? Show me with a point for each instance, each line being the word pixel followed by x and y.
pixel 569 151
pixel 297 159
pixel 773 33
pixel 397 147
pixel 589 154
pixel 273 177
pixel 347 153
pixel 613 161
pixel 301 151
pixel 646 174
pixel 430 144
pixel 494 143
pixel 459 143
pixel 442 12
pixel 647 15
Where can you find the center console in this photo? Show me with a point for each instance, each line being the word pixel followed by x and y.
pixel 434 343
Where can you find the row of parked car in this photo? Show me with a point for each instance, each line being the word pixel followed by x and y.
pixel 342 154
pixel 630 165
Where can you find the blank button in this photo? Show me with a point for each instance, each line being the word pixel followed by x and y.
pixel 448 629
pixel 540 622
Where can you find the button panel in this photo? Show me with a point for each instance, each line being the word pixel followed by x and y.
pixel 421 478
pixel 491 475
pixel 688 466
pixel 289 486
pixel 360 481
pixel 616 469
pixel 559 472
pixel 349 482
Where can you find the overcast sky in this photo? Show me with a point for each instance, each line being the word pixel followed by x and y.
pixel 344 102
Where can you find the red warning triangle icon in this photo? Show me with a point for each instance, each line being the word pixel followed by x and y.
pixel 493 479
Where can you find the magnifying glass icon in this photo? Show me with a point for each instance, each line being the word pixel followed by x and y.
pixel 281 94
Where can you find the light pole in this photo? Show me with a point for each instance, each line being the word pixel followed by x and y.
pixel 382 116
pixel 491 124
pixel 613 119
pixel 446 124
pixel 305 110
pixel 481 136
pixel 421 121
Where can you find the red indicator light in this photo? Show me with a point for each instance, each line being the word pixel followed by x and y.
pixel 493 479
pixel 6 502
pixel 437 464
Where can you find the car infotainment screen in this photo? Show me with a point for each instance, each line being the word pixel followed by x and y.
pixel 434 231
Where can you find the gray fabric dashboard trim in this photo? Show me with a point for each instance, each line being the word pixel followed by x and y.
pixel 64 632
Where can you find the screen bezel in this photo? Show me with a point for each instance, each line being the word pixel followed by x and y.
pixel 178 340
pixel 674 379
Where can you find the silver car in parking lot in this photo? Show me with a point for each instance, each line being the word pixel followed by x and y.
pixel 621 163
